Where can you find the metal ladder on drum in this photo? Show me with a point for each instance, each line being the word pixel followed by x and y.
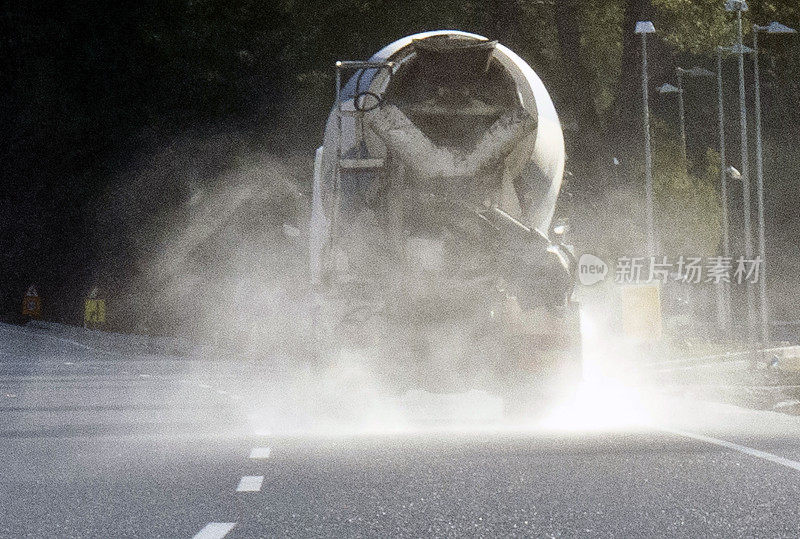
pixel 350 164
pixel 357 163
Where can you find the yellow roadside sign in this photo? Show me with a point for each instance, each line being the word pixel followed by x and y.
pixel 641 312
pixel 94 311
pixel 31 303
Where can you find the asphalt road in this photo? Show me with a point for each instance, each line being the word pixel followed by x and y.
pixel 101 443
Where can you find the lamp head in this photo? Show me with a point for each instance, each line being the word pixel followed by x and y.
pixel 645 27
pixel 698 71
pixel 778 28
pixel 668 88
pixel 736 5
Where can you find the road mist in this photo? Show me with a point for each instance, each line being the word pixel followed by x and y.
pixel 220 242
pixel 221 237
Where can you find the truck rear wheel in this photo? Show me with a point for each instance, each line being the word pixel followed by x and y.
pixel 539 372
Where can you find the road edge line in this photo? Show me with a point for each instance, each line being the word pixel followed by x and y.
pixel 776 459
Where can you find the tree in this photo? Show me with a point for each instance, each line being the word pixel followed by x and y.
pixel 590 135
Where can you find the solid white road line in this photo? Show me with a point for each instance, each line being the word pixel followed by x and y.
pixel 215 530
pixel 740 448
pixel 260 453
pixel 250 483
pixel 62 339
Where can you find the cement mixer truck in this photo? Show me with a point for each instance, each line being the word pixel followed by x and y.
pixel 430 238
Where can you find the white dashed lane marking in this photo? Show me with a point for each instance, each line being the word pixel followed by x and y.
pixel 260 453
pixel 215 530
pixel 250 483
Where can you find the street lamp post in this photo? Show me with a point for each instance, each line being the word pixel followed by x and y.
pixel 773 28
pixel 723 291
pixel 740 6
pixel 682 116
pixel 670 89
pixel 643 28
pixel 723 303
